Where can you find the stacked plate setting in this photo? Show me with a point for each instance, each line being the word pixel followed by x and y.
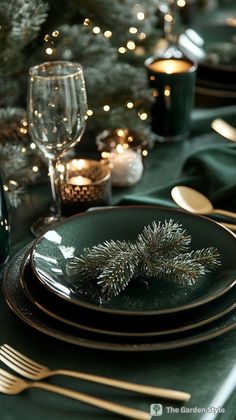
pixel 216 72
pixel 159 315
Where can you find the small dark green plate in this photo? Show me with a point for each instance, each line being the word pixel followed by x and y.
pixel 51 253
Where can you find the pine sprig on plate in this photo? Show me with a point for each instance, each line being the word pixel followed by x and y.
pixel 161 250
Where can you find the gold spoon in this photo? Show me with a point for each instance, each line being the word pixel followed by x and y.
pixel 224 129
pixel 197 203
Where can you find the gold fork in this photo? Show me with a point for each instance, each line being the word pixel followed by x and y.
pixel 33 370
pixel 10 384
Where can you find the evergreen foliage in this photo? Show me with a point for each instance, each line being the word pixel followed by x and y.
pixel 161 250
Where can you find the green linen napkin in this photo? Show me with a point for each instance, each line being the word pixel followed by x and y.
pixel 215 167
pixel 206 162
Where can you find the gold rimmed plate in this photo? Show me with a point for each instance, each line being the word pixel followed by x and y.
pixel 51 253
pixel 219 64
pixel 81 318
pixel 34 317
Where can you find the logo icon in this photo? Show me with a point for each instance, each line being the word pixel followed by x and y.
pixel 156 410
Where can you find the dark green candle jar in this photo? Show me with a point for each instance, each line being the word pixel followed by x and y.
pixel 172 81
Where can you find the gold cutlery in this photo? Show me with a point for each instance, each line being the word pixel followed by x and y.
pixel 197 203
pixel 224 129
pixel 11 384
pixel 33 370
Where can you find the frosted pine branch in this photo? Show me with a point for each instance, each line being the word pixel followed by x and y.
pixel 105 270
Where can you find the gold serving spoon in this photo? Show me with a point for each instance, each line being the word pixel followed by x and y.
pixel 197 203
pixel 224 129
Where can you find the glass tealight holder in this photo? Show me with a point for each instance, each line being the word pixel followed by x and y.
pixel 86 183
pixel 124 151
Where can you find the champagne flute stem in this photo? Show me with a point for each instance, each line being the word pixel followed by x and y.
pixel 55 187
pixel 171 22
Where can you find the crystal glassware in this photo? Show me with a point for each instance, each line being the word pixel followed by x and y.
pixel 57 108
pixel 171 21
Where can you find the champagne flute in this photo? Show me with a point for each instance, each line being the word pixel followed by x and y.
pixel 170 11
pixel 57 107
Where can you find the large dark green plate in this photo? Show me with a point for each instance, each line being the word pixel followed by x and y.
pixel 81 318
pixel 51 253
pixel 35 318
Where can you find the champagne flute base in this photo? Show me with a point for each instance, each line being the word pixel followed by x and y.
pixel 41 225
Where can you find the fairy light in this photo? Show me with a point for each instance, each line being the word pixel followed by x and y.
pixel 89 112
pixel 13 182
pixel 35 168
pixel 32 146
pixel 142 36
pixel 55 33
pixel 108 34
pixel 181 3
pixel 47 38
pixel 155 93
pixel 49 51
pixel 140 16
pixel 106 108
pixel 23 130
pixel 122 50
pixel 23 150
pixel 87 22
pixel 130 105
pixel 143 116
pixel 144 152
pixel 131 45
pixel 105 155
pixel 133 30
pixel 120 133
pixel 96 30
pixel 168 18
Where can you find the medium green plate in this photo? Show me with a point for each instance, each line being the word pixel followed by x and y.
pixel 81 318
pixel 51 253
pixel 34 317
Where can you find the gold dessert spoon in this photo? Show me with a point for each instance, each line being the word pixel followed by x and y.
pixel 224 129
pixel 193 201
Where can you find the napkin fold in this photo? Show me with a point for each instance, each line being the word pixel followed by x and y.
pixel 205 162
pixel 215 169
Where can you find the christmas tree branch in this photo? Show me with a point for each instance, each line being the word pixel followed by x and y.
pixel 105 270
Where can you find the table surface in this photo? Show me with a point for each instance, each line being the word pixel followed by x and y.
pixel 206 370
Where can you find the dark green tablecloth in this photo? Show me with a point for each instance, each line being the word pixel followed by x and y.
pixel 207 370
